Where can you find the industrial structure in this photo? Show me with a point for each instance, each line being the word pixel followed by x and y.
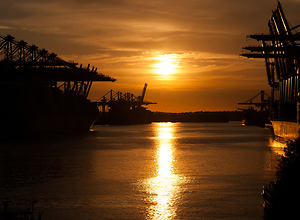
pixel 262 105
pixel 281 53
pixel 41 92
pixel 124 108
pixel 257 112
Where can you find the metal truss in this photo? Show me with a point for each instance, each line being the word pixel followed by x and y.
pixel 279 48
pixel 112 98
pixel 18 60
pixel 281 52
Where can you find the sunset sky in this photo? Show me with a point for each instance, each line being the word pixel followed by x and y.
pixel 187 51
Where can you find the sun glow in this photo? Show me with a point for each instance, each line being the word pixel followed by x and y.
pixel 166 65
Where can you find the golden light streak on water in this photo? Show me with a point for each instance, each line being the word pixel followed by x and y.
pixel 164 187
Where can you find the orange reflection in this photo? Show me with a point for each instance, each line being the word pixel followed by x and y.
pixel 163 188
pixel 277 147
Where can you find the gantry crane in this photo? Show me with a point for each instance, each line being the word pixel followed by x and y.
pixel 123 108
pixel 263 105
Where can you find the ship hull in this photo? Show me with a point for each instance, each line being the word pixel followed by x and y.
pixel 286 130
pixel 122 115
pixel 31 108
pixel 254 118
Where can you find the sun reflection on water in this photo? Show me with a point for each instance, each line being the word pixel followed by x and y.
pixel 163 188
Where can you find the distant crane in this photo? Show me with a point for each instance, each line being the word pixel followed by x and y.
pixel 123 108
pixel 263 105
pixel 140 99
pixel 112 98
pixel 254 117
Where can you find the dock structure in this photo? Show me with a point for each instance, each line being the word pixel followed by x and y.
pixel 281 52
pixel 41 92
pixel 19 60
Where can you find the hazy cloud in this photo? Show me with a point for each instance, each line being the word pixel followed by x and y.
pixel 123 37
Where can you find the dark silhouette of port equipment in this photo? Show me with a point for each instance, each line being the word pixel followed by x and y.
pixel 19 59
pixel 257 113
pixel 281 52
pixel 40 92
pixel 123 108
pixel 262 105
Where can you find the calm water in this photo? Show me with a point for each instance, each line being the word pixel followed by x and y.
pixel 156 171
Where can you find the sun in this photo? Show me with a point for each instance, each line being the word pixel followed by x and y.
pixel 166 65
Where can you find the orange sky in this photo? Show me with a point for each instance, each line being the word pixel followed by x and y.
pixel 187 51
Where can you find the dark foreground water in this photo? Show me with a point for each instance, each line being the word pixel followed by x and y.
pixel 156 171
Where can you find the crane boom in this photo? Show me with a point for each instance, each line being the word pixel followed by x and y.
pixel 144 92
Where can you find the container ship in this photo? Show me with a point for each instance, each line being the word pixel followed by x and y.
pixel 281 53
pixel 41 92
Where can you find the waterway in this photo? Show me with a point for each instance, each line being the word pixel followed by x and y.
pixel 155 171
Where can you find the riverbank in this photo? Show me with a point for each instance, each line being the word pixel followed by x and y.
pixel 200 116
